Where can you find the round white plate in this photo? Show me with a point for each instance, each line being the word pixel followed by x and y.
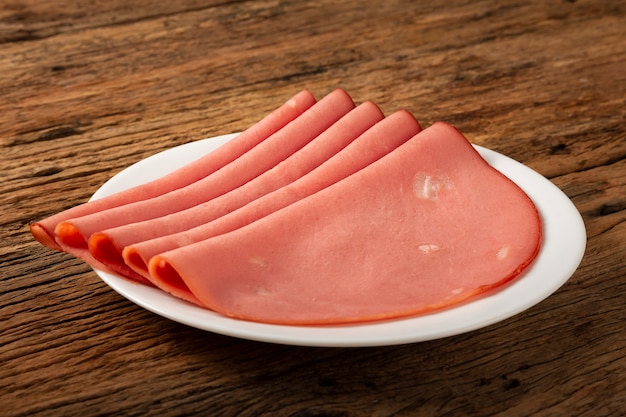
pixel 561 252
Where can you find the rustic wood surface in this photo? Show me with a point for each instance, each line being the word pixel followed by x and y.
pixel 88 87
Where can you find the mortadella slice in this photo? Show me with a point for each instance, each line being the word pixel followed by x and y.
pixel 428 226
pixel 107 245
pixel 377 141
pixel 72 234
pixel 43 230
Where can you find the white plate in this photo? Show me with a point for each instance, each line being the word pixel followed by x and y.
pixel 562 250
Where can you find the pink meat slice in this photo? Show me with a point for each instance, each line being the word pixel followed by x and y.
pixel 377 141
pixel 72 234
pixel 43 230
pixel 107 246
pixel 426 227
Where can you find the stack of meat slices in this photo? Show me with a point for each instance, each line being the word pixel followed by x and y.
pixel 323 212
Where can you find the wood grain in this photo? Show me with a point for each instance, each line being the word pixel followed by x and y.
pixel 90 87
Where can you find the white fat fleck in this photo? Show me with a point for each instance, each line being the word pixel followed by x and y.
pixel 427 187
pixel 260 262
pixel 455 292
pixel 182 239
pixel 503 252
pixel 429 248
pixel 262 291
pixel 291 103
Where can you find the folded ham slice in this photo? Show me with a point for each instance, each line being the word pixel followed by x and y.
pixel 73 233
pixel 43 230
pixel 107 245
pixel 427 226
pixel 376 142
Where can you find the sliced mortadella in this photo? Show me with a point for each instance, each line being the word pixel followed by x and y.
pixel 107 246
pixel 376 142
pixel 72 234
pixel 43 230
pixel 426 227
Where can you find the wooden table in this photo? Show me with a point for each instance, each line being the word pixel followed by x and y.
pixel 90 87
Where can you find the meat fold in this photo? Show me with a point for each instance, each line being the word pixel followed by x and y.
pixel 107 245
pixel 428 226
